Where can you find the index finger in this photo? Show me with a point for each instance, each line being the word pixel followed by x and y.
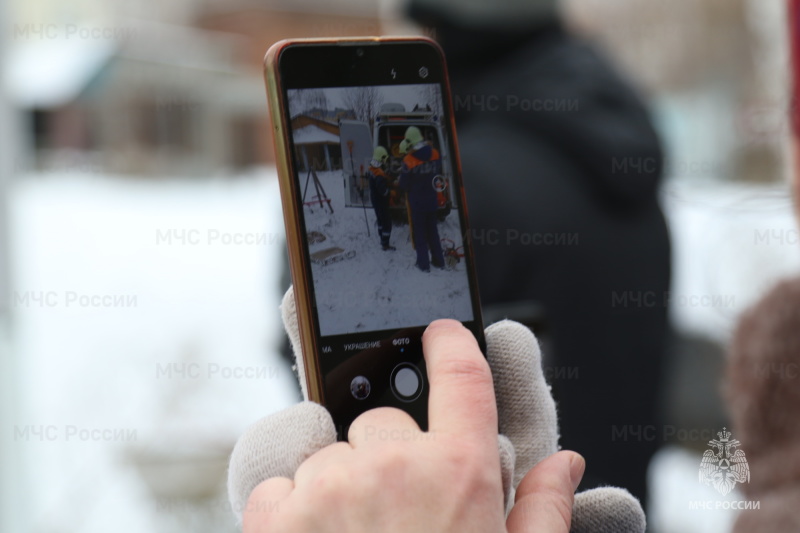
pixel 462 393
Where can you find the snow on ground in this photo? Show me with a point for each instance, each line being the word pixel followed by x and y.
pixel 378 289
pixel 211 303
pixel 679 503
pixel 179 358
pixel 731 243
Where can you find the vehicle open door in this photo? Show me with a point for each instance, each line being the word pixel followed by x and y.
pixel 356 142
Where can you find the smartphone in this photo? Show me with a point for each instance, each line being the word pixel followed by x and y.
pixel 375 214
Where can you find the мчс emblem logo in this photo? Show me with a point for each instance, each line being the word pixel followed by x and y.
pixel 723 466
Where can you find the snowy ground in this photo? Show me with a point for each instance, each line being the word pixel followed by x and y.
pixel 676 491
pixel 179 368
pixel 731 243
pixel 376 289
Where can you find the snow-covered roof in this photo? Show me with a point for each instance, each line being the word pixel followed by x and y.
pixel 50 73
pixel 313 134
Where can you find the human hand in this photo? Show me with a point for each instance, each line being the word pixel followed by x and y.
pixel 391 476
pixel 277 445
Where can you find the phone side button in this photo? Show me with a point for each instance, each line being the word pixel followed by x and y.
pixel 406 382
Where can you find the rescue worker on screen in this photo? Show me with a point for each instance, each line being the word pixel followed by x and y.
pixel 421 165
pixel 379 188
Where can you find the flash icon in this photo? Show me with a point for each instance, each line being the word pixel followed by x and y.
pixel 394 74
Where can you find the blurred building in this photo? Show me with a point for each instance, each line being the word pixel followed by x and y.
pixel 162 100
pixel 107 88
pixel 717 72
pixel 132 96
pixel 316 143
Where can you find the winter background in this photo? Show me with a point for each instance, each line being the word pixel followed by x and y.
pixel 117 144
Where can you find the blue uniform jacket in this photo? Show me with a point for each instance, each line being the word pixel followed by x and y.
pixel 416 178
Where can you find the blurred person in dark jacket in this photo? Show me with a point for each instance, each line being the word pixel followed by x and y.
pixel 565 216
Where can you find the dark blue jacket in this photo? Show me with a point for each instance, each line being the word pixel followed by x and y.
pixel 416 178
pixel 378 186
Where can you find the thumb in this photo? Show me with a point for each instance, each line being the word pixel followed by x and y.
pixel 545 496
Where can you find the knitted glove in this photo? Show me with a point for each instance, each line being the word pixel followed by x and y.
pixel 277 445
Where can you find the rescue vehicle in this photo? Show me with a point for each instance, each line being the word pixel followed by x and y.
pixel 388 130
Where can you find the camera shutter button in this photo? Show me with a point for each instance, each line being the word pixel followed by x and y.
pixel 406 382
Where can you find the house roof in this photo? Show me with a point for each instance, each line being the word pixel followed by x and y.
pixel 313 134
pixel 50 73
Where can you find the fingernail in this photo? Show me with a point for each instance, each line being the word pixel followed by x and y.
pixel 577 467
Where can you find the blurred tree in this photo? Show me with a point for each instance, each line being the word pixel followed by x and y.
pixel 365 103
pixel 303 102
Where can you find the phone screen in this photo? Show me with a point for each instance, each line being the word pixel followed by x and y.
pixel 382 217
